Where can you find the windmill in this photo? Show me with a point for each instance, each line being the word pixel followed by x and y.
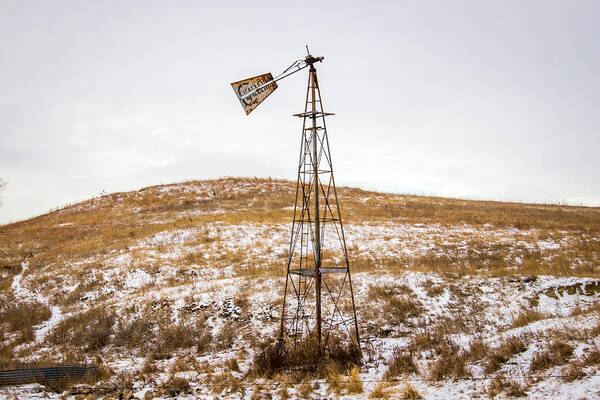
pixel 318 301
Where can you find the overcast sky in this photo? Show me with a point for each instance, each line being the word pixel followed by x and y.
pixel 475 99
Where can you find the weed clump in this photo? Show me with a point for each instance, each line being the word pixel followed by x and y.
pixel 557 354
pixel 22 315
pixel 573 372
pixel 354 383
pixel 511 388
pixel 400 364
pixel 525 317
pixel 175 386
pixel 502 354
pixel 451 362
pixel 89 330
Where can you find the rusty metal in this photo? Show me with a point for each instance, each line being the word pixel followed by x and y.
pixel 252 91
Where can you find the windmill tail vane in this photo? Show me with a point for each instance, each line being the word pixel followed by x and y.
pixel 253 91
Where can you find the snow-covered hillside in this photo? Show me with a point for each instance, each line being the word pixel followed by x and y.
pixel 172 289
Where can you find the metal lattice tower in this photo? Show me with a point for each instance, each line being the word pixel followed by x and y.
pixel 318 296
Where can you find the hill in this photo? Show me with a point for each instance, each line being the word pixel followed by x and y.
pixel 175 287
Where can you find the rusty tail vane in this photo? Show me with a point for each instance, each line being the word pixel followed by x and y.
pixel 253 91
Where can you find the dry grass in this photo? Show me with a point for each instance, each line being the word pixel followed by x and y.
pixel 382 391
pixel 557 353
pixel 124 223
pixel 400 364
pixel 175 386
pixel 118 221
pixel 135 334
pixel 500 355
pixel 511 388
pixel 592 358
pixel 526 317
pixel 87 332
pixel 572 372
pixel 409 392
pixel 354 383
pixel 271 358
pixel 451 362
pixel 225 380
pixel 22 315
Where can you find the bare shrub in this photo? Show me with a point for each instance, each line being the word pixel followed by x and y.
pixel 400 364
pixel 89 330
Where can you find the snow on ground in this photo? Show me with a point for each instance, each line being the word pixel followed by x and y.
pixel 150 272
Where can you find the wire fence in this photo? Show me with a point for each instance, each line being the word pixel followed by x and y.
pixel 48 375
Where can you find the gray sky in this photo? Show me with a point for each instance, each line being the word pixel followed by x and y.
pixel 482 100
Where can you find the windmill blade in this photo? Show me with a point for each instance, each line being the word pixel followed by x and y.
pixel 252 91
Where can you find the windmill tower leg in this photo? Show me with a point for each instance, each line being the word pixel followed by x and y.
pixel 317 228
